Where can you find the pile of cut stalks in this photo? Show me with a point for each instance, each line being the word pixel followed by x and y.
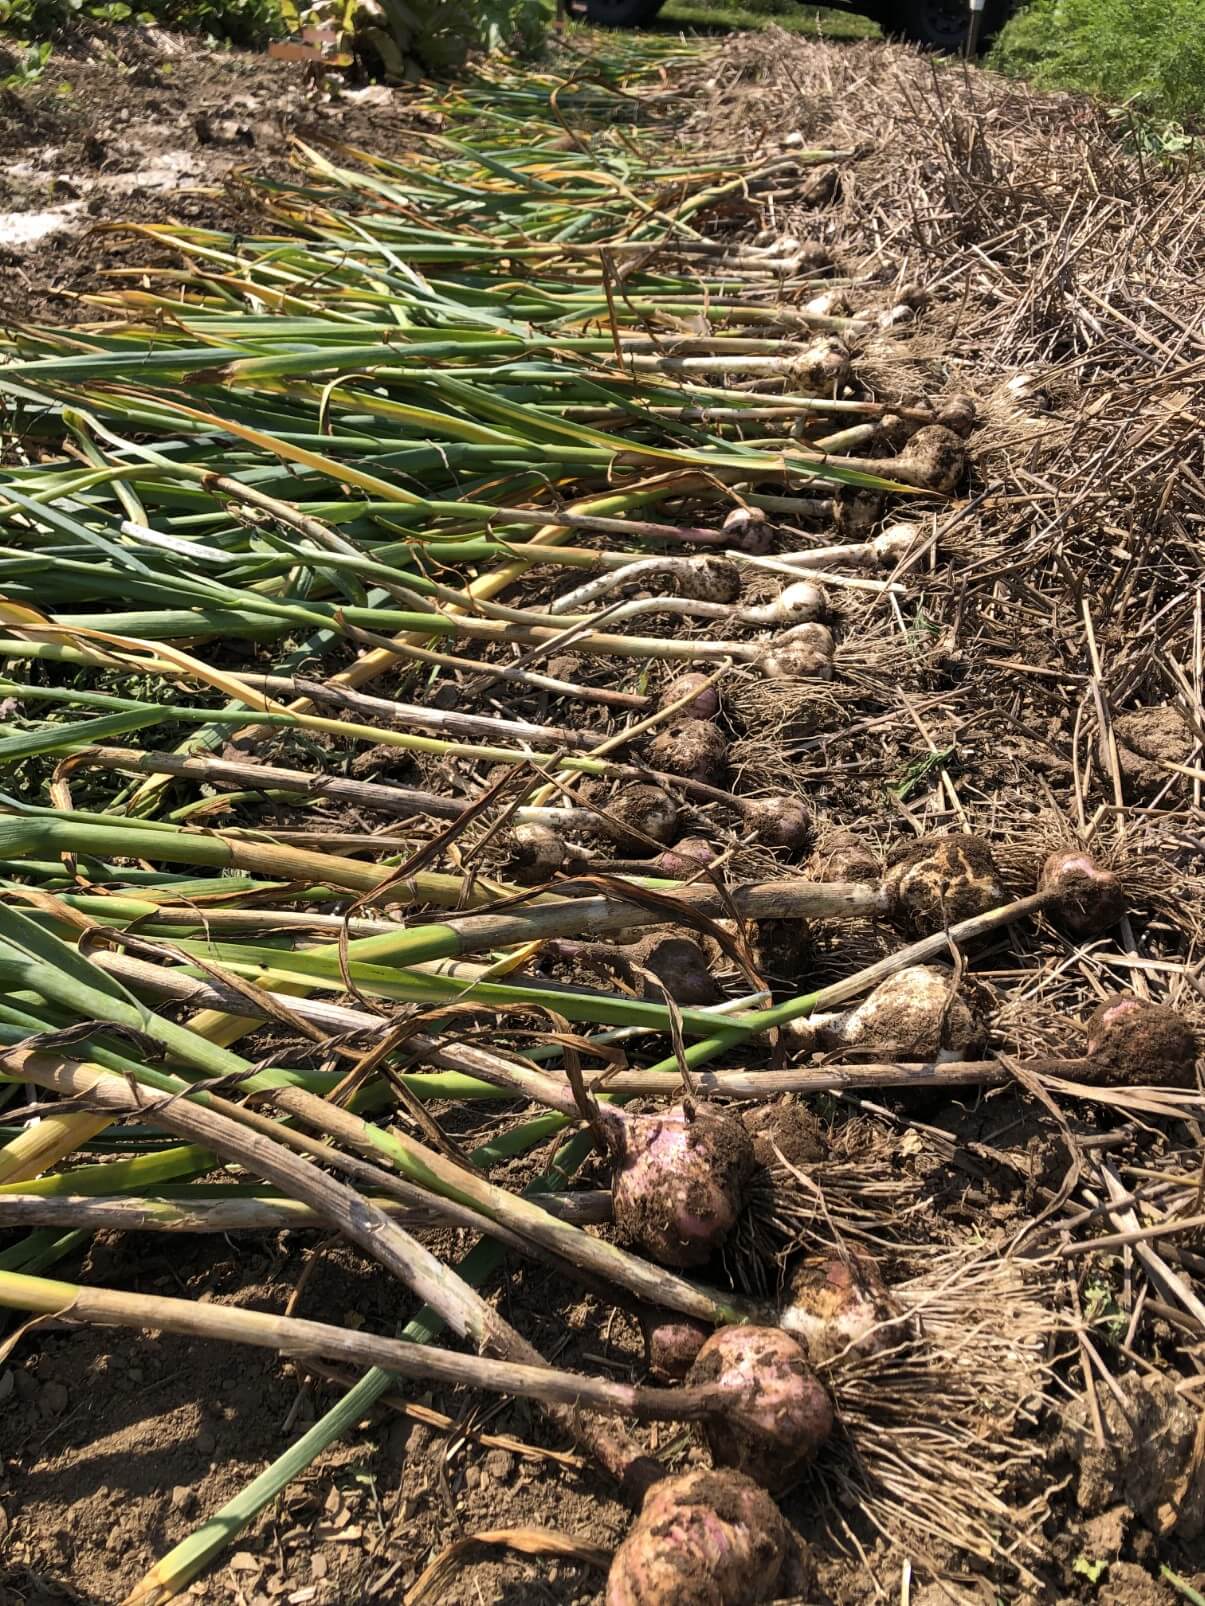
pixel 573 652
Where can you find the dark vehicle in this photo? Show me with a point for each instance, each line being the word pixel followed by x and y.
pixel 935 24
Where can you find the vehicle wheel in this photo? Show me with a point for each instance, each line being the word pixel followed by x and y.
pixel 622 13
pixel 941 24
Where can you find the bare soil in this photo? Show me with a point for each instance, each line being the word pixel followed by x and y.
pixel 111 1455
pixel 138 125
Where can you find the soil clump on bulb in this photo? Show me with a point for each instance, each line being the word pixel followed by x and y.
pixel 939 881
pixel 1133 1042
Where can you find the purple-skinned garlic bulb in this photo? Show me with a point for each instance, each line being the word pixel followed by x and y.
pixel 1133 1042
pixel 680 1181
pixel 842 1306
pixel 706 1539
pixel 781 1412
pixel 1086 899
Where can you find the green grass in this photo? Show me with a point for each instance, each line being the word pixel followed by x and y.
pixel 818 22
pixel 1149 54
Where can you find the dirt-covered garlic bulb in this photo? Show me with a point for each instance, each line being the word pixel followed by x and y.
pixel 1150 740
pixel 935 460
pixel 534 853
pixel 894 543
pixel 940 880
pixel 748 530
pixel 828 304
pixel 856 513
pixel 655 961
pixel 679 964
pixel 680 1181
pixel 841 1306
pixel 821 367
pixel 781 1413
pixel 843 855
pixel 914 1015
pixel 671 1344
pixel 1086 899
pixel 707 1538
pixel 709 579
pixel 692 748
pixel 704 697
pixel 796 604
pixel 1133 1042
pixel 785 1130
pixel 639 814
pixel 958 412
pixel 683 861
pixel 805 652
pixel 784 952
pixel 782 821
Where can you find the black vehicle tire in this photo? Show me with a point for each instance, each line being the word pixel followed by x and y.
pixel 941 24
pixel 622 13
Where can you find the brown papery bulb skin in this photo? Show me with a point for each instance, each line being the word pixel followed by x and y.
pixel 711 579
pixel 940 880
pixel 804 653
pixel 703 1539
pixel 680 1182
pixel 780 822
pixel 705 699
pixel 749 531
pixel 639 812
pixel 785 1131
pixel 671 1344
pixel 1089 899
pixel 534 853
pixel 1132 1042
pixel 781 1412
pixel 842 1306
pixel 692 748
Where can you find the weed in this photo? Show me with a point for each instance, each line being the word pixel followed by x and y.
pixel 1149 54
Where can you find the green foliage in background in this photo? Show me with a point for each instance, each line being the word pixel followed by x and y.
pixel 795 17
pixel 452 27
pixel 1148 53
pixel 240 22
pixel 439 34
pixel 436 34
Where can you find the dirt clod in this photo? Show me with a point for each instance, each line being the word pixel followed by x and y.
pixel 1152 1459
pixel 785 1130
